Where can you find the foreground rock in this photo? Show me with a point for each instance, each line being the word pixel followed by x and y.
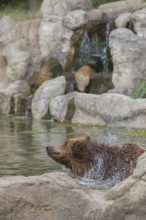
pixel 57 196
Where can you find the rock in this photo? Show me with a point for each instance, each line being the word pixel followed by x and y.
pixel 139 20
pixel 85 110
pixel 114 9
pixel 46 194
pixel 60 109
pixel 5 102
pixel 53 9
pixel 75 19
pixel 122 20
pixel 19 86
pixel 128 53
pixel 95 15
pixel 54 36
pixel 18 61
pixel 109 109
pixel 15 98
pixel 83 77
pixel 100 83
pixel 28 35
pixel 44 94
pixel 7 30
pixel 59 197
pixel 134 5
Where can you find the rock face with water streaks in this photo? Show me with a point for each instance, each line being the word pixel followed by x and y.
pixel 58 21
pixel 59 197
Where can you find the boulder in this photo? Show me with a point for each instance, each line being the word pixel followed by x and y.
pixel 27 32
pixel 122 20
pixel 14 98
pixel 83 77
pixel 5 102
pixel 44 94
pixel 139 20
pixel 85 110
pixel 7 30
pixel 62 107
pixel 128 53
pixel 109 109
pixel 18 61
pixel 75 19
pixel 57 196
pixel 114 9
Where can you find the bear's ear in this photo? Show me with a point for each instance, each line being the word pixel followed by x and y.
pixel 87 138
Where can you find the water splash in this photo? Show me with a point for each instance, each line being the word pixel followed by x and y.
pixel 97 184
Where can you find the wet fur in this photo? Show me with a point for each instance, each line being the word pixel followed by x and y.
pixel 97 160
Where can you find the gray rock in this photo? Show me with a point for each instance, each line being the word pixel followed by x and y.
pixel 128 53
pixel 5 101
pixel 75 19
pixel 44 94
pixel 139 20
pixel 109 109
pixel 85 110
pixel 7 30
pixel 18 61
pixel 122 20
pixel 114 9
pixel 59 107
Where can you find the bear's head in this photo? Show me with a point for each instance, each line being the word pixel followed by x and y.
pixel 76 154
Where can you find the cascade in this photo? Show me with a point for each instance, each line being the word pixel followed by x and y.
pixel 85 49
pixel 99 48
pixel 94 47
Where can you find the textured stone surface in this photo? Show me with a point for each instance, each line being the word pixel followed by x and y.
pixel 44 94
pixel 129 55
pixel 57 196
pixel 7 30
pixel 139 20
pixel 75 19
pixel 109 109
pixel 59 107
pixel 18 61
pixel 83 76
pixel 122 20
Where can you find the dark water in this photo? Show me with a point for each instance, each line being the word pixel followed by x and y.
pixel 23 142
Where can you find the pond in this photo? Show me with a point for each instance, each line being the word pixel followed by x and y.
pixel 23 143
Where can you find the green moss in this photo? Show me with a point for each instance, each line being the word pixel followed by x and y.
pixel 136 132
pixel 99 2
pixel 140 90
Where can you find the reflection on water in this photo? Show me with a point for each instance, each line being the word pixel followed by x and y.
pixel 23 142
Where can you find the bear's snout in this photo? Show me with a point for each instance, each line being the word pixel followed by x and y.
pixel 50 150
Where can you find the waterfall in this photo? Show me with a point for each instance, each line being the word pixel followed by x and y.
pixel 85 49
pixel 95 47
pixel 99 49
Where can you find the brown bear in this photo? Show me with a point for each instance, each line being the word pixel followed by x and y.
pixel 97 160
